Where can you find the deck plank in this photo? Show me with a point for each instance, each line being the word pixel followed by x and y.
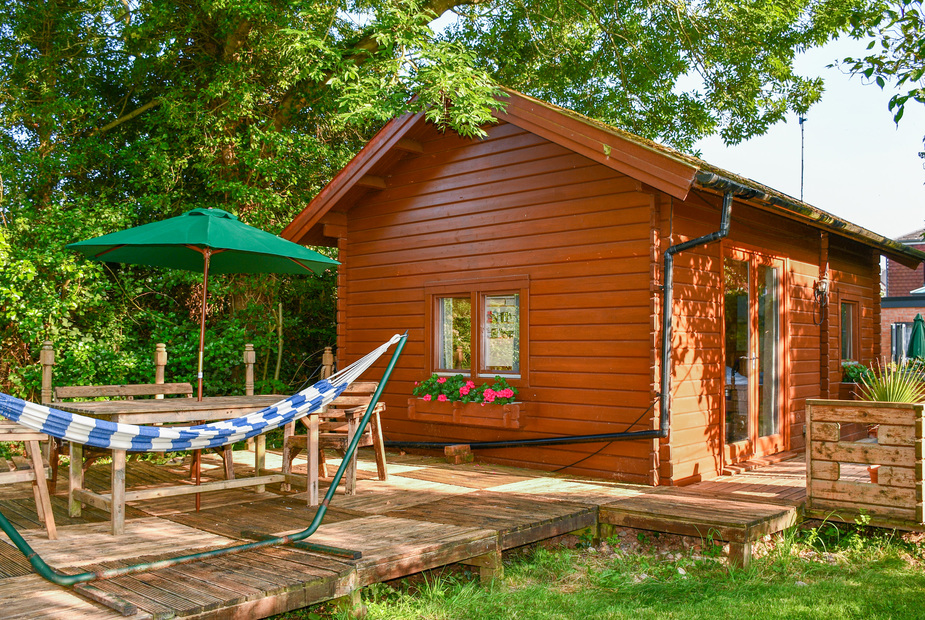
pixel 428 514
pixel 32 598
pixel 394 547
pixel 81 545
pixel 520 519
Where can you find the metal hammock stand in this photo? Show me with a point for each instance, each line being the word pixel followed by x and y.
pixel 62 579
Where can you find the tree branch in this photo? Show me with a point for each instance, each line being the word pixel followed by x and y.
pixel 127 117
pixel 365 48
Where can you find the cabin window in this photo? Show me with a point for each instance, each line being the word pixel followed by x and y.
pixel 501 334
pixel 477 328
pixel 850 331
pixel 454 333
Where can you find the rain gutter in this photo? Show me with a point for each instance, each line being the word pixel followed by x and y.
pixel 909 257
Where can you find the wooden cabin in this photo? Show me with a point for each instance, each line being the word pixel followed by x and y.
pixel 538 254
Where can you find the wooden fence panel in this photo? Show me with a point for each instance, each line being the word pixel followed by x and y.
pixel 880 476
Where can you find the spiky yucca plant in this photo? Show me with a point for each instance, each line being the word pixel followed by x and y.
pixel 892 383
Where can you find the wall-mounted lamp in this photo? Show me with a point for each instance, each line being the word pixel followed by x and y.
pixel 821 299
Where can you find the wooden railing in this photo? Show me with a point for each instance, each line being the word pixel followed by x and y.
pixel 880 476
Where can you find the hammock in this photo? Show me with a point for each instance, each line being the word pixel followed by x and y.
pixel 135 438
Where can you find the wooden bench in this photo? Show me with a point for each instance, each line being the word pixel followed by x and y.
pixel 34 469
pixel 112 392
pixel 334 427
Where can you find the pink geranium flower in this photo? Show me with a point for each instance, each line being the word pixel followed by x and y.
pixel 442 398
pixel 470 384
pixel 425 397
pixel 441 380
pixel 464 390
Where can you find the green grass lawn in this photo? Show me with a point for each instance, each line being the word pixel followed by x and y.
pixel 824 572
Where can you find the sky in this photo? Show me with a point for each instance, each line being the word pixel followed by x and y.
pixel 858 164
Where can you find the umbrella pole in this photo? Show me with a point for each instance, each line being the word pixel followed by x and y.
pixel 197 455
pixel 206 254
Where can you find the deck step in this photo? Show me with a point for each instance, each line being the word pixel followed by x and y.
pixel 740 523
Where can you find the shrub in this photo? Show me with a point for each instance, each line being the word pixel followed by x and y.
pixel 892 383
pixel 459 388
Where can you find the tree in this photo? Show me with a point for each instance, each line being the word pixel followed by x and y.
pixel 114 113
pixel 897 52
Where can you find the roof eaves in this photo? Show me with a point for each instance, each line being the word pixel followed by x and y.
pixel 777 201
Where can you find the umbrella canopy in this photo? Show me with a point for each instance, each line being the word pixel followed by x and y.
pixel 917 338
pixel 179 242
pixel 204 240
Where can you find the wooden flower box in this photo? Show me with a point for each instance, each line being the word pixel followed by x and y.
pixel 839 488
pixel 466 414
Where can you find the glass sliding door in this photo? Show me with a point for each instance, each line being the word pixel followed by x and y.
pixel 753 354
pixel 737 348
pixel 768 351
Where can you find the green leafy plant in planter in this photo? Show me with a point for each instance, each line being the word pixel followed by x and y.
pixel 892 383
pixel 459 388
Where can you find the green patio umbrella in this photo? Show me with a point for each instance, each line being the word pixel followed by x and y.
pixel 206 241
pixel 917 339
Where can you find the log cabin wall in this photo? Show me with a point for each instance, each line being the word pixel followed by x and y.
pixel 588 243
pixel 694 450
pixel 515 206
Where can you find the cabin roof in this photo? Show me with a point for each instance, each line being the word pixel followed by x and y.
pixel 656 165
pixel 914 237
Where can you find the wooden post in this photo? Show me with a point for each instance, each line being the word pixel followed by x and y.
pixel 312 448
pixel 117 507
pixel 825 353
pixel 75 479
pixel 490 566
pixel 40 489
pixel 250 358
pixel 160 364
pixel 327 363
pixel 47 357
pixel 352 605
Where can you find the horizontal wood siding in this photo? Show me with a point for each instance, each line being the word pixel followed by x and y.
pixel 515 204
pixel 696 442
pixel 589 241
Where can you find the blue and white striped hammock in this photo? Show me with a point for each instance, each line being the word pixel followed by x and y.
pixel 135 438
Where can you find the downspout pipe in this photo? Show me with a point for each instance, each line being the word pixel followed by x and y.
pixel 667 298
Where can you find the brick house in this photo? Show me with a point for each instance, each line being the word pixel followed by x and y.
pixel 904 298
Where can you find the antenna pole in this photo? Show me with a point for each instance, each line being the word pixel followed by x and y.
pixel 802 143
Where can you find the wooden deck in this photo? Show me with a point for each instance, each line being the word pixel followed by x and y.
pixel 428 514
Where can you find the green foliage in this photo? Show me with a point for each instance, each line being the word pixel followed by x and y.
pixel 853 371
pixel 893 383
pixel 670 71
pixel 462 389
pixel 896 52
pixel 896 55
pixel 114 115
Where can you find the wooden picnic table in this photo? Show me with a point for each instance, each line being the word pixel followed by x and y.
pixel 161 411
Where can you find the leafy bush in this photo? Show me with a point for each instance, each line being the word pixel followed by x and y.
pixel 853 371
